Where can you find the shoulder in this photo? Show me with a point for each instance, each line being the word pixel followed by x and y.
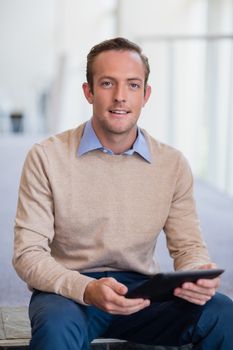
pixel 59 144
pixel 55 152
pixel 162 151
pixel 65 139
pixel 171 164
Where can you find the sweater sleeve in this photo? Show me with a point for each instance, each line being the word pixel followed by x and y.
pixel 182 229
pixel 34 232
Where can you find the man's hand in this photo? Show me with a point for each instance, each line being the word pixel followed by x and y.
pixel 201 291
pixel 109 295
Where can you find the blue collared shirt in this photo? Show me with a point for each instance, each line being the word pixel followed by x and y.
pixel 90 142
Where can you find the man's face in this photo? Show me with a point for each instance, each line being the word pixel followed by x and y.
pixel 118 92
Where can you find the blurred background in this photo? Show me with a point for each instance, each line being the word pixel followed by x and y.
pixel 43 48
pixel 190 46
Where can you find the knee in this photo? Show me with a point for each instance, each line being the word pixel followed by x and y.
pixel 59 320
pixel 62 327
pixel 221 311
pixel 222 305
pixel 214 328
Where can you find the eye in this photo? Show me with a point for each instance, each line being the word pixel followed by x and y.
pixel 135 86
pixel 106 84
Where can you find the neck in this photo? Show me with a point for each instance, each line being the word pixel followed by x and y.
pixel 118 143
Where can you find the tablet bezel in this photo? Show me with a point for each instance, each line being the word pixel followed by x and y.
pixel 160 287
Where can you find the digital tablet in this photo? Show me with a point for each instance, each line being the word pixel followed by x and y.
pixel 161 286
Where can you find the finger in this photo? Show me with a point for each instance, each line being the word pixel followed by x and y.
pixel 194 300
pixel 130 303
pixel 131 310
pixel 208 266
pixel 194 294
pixel 112 298
pixel 115 285
pixel 127 310
pixel 200 289
pixel 192 297
pixel 122 301
pixel 112 302
pixel 209 283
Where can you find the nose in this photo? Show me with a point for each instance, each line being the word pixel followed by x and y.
pixel 120 94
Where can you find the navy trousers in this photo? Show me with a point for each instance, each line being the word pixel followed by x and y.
pixel 59 323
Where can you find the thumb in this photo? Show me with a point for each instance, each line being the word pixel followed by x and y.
pixel 118 287
pixel 208 266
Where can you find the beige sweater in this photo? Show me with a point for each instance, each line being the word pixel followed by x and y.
pixel 101 212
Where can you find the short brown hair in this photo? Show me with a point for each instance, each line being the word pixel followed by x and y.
pixel 118 44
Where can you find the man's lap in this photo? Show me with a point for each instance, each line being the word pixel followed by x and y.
pixel 164 323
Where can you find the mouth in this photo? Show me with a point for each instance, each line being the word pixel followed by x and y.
pixel 120 112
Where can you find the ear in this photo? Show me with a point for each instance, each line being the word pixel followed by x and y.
pixel 147 94
pixel 87 92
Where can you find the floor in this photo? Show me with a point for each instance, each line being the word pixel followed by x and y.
pixel 127 346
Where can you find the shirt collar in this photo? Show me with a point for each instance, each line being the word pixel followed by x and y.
pixel 90 142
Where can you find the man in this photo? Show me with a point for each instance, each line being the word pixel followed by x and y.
pixel 92 202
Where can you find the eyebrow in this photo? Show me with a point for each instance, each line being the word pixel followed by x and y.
pixel 129 79
pixel 138 79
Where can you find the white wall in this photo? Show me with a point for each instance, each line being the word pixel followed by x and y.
pixel 191 80
pixel 27 57
pixel 167 115
pixel 146 18
pixel 43 50
pixel 79 26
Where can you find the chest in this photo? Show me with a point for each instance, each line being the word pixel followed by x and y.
pixel 113 194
